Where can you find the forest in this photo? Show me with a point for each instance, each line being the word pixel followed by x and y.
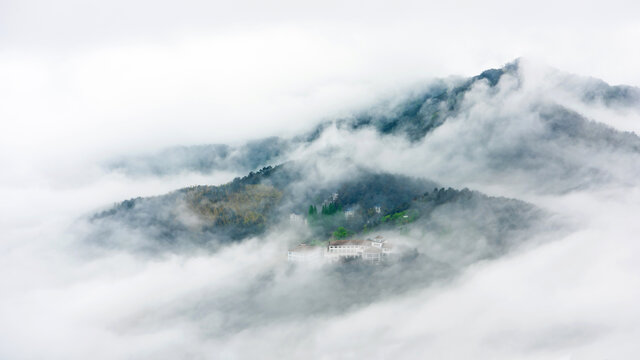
pixel 262 200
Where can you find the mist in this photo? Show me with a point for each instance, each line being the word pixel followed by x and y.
pixel 105 102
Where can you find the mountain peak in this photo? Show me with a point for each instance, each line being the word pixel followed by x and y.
pixel 494 75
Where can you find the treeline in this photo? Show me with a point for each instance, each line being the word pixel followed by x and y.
pixel 327 209
pixel 423 112
pixel 240 208
pixel 249 205
pixel 402 202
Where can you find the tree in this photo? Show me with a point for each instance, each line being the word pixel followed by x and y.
pixel 341 233
pixel 331 209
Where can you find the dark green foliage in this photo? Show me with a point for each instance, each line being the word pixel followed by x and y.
pixel 442 195
pixel 248 206
pixel 361 194
pixel 392 193
pixel 426 110
pixel 331 208
pixel 341 233
pixel 402 217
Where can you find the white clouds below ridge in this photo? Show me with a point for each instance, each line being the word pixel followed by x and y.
pixel 84 81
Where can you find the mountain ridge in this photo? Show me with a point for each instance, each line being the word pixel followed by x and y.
pixel 413 118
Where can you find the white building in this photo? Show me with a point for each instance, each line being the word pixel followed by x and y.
pixel 372 251
pixel 349 213
pixel 304 253
pixel 340 250
pixel 345 248
pixel 372 255
pixel 381 243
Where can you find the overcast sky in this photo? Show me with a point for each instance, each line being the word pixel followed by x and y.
pixel 131 75
pixel 85 81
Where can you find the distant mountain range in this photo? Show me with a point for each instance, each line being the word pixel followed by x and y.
pixel 560 124
pixel 505 129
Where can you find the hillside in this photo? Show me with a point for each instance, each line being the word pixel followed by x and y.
pixel 209 216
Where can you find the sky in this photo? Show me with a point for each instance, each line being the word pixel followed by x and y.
pixel 84 82
pixel 133 75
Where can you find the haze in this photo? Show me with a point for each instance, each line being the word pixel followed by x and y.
pixel 86 84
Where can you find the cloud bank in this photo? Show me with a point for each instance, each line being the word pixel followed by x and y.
pixel 77 95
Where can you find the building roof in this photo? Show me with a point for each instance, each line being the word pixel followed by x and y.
pixel 305 248
pixel 348 242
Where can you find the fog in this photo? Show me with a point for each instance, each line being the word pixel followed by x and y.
pixel 94 94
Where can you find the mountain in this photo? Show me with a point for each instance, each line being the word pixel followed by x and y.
pixel 437 232
pixel 501 123
pixel 401 170
pixel 211 216
pixel 369 174
pixel 511 120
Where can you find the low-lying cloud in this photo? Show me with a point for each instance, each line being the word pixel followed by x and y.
pixel 565 292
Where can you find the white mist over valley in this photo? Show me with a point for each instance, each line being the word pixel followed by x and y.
pixel 322 181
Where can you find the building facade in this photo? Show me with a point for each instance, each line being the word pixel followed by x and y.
pixel 371 251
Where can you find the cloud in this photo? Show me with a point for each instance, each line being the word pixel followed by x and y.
pixel 162 75
pixel 79 89
pixel 199 304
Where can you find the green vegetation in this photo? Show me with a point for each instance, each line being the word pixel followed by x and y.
pixel 341 233
pixel 402 217
pixel 331 209
pixel 248 206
